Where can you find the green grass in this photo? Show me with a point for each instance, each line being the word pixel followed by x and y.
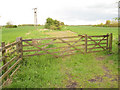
pixel 10 34
pixel 90 30
pixel 42 72
pixel 85 67
pixel 46 71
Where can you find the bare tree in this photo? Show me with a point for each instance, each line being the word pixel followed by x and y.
pixel 9 23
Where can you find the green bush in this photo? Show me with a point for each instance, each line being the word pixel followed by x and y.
pixel 53 27
pixel 38 25
pixel 53 24
pixel 62 23
pixel 105 25
pixel 11 26
pixel 108 22
pixel 114 24
pixel 26 25
pixel 94 25
pixel 99 25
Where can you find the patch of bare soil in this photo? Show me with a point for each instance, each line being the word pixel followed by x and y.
pixel 61 33
pixel 111 61
pixel 71 83
pixel 43 29
pixel 105 69
pixel 100 58
pixel 28 33
pixel 72 32
pixel 7 82
pixel 96 79
pixel 107 74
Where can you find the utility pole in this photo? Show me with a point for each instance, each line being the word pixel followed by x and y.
pixel 35 17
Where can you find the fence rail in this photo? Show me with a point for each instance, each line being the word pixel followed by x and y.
pixel 96 42
pixel 55 46
pixel 11 57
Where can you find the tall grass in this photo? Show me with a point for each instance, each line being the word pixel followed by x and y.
pixel 48 72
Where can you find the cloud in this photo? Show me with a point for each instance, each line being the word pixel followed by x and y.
pixel 68 11
pixel 101 11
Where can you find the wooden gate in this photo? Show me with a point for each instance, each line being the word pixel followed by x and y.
pixel 65 46
pixel 13 53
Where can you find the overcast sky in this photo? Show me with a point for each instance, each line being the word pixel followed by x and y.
pixel 71 12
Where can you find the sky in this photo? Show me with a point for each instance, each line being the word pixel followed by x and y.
pixel 71 12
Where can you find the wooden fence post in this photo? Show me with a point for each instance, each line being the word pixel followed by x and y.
pixel 107 41
pixel 19 46
pixel 119 41
pixel 86 43
pixel 110 42
pixel 119 47
pixel 4 58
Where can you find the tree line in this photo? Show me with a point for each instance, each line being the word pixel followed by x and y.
pixel 110 23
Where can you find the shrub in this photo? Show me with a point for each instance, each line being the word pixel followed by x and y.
pixel 26 25
pixel 53 27
pixel 62 23
pixel 95 25
pixel 114 24
pixel 108 22
pixel 53 24
pixel 11 26
pixel 101 24
pixel 105 25
pixel 38 25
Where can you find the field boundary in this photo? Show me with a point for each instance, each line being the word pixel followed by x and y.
pixel 13 53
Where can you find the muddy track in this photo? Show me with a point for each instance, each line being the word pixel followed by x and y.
pixel 107 73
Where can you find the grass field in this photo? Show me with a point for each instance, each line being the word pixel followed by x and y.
pixel 94 70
